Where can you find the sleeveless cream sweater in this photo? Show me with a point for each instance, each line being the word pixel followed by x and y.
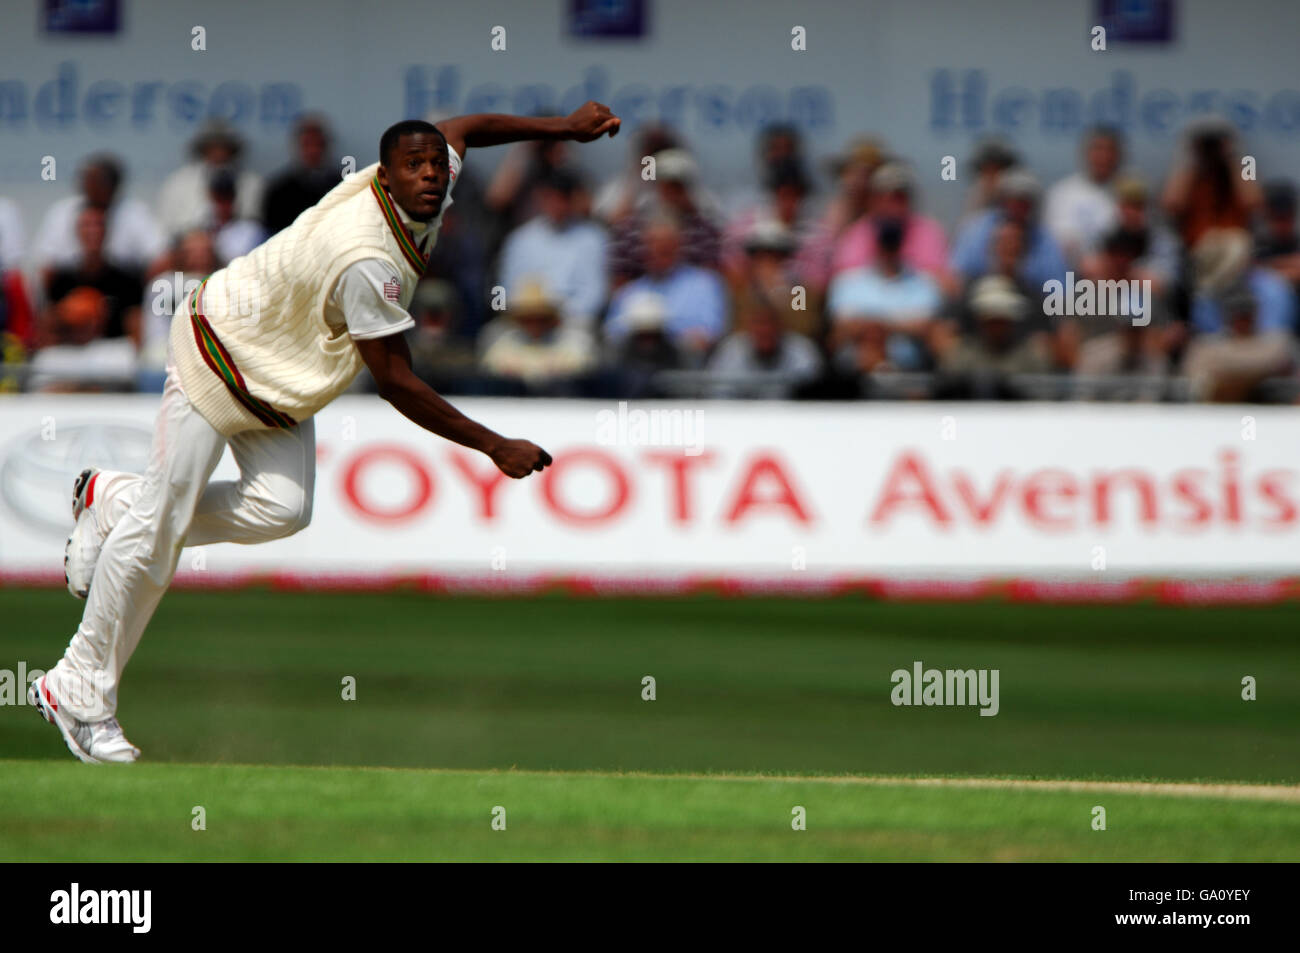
pixel 251 344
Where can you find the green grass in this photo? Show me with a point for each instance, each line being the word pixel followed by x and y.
pixel 144 812
pixel 744 686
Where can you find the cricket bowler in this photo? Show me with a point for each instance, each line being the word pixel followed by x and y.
pixel 254 352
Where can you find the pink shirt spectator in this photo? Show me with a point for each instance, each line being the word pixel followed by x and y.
pixel 925 247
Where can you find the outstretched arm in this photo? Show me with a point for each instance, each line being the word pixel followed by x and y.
pixel 588 122
pixel 389 360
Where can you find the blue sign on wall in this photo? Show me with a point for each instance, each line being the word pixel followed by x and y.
pixel 624 19
pixel 81 16
pixel 1137 21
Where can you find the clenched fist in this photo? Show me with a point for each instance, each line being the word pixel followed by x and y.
pixel 518 458
pixel 592 120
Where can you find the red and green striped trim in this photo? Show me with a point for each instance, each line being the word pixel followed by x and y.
pixel 405 240
pixel 218 358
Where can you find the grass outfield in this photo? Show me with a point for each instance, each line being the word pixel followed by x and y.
pixel 141 813
pixel 744 686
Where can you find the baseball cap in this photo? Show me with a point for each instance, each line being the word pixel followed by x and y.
pixel 675 165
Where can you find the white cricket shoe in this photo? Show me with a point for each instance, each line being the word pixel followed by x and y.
pixel 82 549
pixel 93 742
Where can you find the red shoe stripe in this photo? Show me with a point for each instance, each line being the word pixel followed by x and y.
pixel 48 697
pixel 90 490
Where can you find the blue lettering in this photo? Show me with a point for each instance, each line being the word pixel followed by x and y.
pixel 1157 107
pixel 1009 107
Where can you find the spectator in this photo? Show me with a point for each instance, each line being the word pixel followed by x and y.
pixel 696 298
pixel 1131 356
pixel 1080 209
pixel 307 178
pixel 184 200
pixel 853 171
pixel 785 206
pixel 569 250
pixel 537 348
pixel 78 354
pixel 764 360
pixel 133 239
pixel 619 196
pixel 925 248
pixel 510 194
pixel 993 156
pixel 1278 245
pixel 12 238
pixel 193 259
pixel 1018 196
pixel 1206 190
pixel 439 355
pixel 1228 364
pixel 981 364
pixel 779 154
pixel 645 349
pixel 17 327
pixel 676 195
pixel 766 277
pixel 231 236
pixel 1119 299
pixel 883 315
pixel 120 289
pixel 1222 261
pixel 1159 260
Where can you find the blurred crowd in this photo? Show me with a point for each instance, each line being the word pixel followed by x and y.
pixel 811 280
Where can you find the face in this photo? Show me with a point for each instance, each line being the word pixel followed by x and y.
pixel 196 255
pixel 537 324
pixel 892 204
pixel 97 187
pixel 661 246
pixel 555 205
pixel 788 200
pixel 1008 245
pixel 1242 323
pixel 767 263
pixel 997 331
pixel 218 153
pixel 223 206
pixel 765 332
pixel 418 175
pixel 311 147
pixel 1102 158
pixel 855 182
pixel 90 230
pixel 1018 208
pixel 1132 215
pixel 674 194
pixel 1281 224
pixel 780 147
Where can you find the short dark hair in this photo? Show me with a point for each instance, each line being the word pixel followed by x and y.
pixel 787 172
pixel 407 127
pixel 108 165
pixel 565 181
pixel 1124 242
pixel 1103 130
pixel 1279 197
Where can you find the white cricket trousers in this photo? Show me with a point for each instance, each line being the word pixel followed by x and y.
pixel 150 518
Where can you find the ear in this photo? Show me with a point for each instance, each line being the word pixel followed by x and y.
pixel 383 175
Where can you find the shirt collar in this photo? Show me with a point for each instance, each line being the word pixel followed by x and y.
pixel 417 228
